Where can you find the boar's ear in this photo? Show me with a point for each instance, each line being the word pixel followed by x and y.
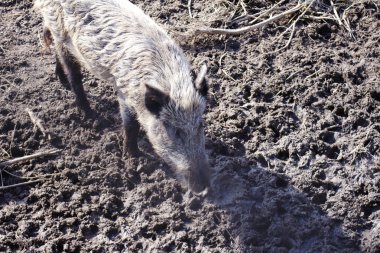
pixel 155 99
pixel 200 82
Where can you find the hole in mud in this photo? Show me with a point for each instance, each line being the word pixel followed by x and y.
pixel 281 182
pixel 31 230
pixel 319 198
pixel 376 95
pixel 283 155
pixel 160 228
pixel 325 31
pixel 360 122
pixel 366 142
pixel 267 97
pixel 90 231
pixel 32 199
pixel 8 125
pixel 112 208
pixel 261 109
pixel 66 195
pixel 370 208
pixel 247 92
pixel 58 246
pixel 261 160
pixel 341 112
pixel 323 93
pixel 359 76
pixel 72 176
pixel 309 100
pixel 112 233
pixel 138 245
pixel 361 190
pixel 148 235
pixel 377 128
pixel 62 228
pixel 17 80
pixel 330 107
pixel 321 175
pixel 17 152
pixel 332 152
pixel 195 204
pixel 337 77
pixel 327 137
pixel 233 45
pixel 114 179
pixel 370 109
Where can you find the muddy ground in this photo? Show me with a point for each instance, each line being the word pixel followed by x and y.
pixel 293 137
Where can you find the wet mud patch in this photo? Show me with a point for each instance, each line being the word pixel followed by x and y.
pixel 293 138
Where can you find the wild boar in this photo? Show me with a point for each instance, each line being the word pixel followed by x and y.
pixel 117 42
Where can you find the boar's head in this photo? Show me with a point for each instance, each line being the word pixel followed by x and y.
pixel 176 131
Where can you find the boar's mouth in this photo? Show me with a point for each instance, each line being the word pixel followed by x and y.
pixel 199 178
pixel 196 176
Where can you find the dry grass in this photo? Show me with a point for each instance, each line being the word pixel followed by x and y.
pixel 244 16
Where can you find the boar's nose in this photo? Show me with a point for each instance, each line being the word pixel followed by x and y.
pixel 199 178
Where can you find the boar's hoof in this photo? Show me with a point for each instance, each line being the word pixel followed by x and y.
pixel 201 194
pixel 87 112
pixel 133 152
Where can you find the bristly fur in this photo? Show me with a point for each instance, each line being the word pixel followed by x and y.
pixel 118 43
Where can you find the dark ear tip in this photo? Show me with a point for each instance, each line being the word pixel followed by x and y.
pixel 203 90
pixel 201 82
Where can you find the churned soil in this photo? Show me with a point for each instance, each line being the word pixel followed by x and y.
pixel 292 135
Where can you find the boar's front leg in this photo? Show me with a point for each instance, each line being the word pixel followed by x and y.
pixel 69 72
pixel 130 131
pixel 59 72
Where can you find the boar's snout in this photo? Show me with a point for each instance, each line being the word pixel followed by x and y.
pixel 199 177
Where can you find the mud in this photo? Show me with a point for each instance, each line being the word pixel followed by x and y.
pixel 293 137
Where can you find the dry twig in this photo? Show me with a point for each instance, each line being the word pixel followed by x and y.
pixel 346 20
pixel 37 122
pixel 242 4
pixel 4 187
pixel 189 8
pixel 35 177
pixel 336 13
pixel 7 81
pixel 293 26
pixel 223 70
pixel 265 12
pixel 256 16
pixel 243 30
pixel 29 157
